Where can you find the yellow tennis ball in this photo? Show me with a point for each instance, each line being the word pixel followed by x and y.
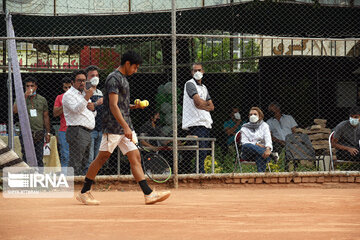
pixel 137 101
pixel 144 103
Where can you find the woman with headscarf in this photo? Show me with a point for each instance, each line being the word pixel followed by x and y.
pixel 256 139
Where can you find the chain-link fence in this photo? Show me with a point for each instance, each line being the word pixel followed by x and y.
pixel 296 61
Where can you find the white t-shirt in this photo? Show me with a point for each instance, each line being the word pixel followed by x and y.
pixel 280 129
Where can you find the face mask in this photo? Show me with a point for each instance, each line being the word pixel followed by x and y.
pixel 354 121
pixel 33 93
pixel 198 75
pixel 254 118
pixel 237 116
pixel 94 81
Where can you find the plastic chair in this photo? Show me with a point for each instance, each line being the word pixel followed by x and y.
pixel 298 147
pixel 333 159
pixel 238 160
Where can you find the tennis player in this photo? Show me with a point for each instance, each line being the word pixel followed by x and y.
pixel 118 131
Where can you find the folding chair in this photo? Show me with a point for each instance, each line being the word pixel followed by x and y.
pixel 238 160
pixel 333 159
pixel 298 147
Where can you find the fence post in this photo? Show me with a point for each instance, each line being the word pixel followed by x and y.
pixel 174 91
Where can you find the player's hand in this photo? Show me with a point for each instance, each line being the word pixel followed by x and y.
pixel 128 133
pixel 353 151
pixel 137 103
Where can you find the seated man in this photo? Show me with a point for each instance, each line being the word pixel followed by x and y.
pixel 347 136
pixel 232 126
pixel 151 129
pixel 280 125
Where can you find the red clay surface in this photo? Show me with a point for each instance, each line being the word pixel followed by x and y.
pixel 246 212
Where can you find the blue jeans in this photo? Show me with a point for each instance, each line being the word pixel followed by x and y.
pixel 64 150
pixel 253 152
pixel 96 137
pixel 201 132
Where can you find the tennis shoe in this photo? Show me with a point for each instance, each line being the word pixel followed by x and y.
pixel 155 197
pixel 87 198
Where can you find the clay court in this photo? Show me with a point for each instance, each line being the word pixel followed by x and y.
pixel 245 212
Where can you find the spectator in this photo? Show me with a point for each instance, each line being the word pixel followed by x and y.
pixel 197 105
pixel 97 100
pixel 38 112
pixel 233 125
pixel 58 111
pixel 256 139
pixel 118 131
pixel 280 125
pixel 151 129
pixel 346 138
pixel 80 119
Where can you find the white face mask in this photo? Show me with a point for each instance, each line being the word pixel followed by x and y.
pixel 237 115
pixel 254 118
pixel 94 81
pixel 354 121
pixel 198 75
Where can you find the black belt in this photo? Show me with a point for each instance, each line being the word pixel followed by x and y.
pixel 86 129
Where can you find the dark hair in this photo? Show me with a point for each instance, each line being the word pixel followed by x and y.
pixel 276 104
pixel 91 68
pixel 66 80
pixel 132 57
pixel 31 79
pixel 77 72
pixel 151 112
pixel 197 63
pixel 354 110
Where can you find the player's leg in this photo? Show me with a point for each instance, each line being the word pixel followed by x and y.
pixel 129 149
pixel 107 146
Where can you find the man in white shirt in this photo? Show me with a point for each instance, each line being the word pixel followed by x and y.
pixel 280 125
pixel 80 115
pixel 197 105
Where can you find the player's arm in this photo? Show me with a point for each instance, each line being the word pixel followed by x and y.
pixel 133 106
pixel 115 110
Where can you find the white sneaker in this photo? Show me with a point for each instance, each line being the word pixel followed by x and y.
pixel 155 197
pixel 87 198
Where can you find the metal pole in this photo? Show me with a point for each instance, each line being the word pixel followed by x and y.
pixel 4 43
pixel 174 92
pixel 10 99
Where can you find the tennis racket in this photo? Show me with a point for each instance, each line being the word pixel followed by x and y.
pixel 155 166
